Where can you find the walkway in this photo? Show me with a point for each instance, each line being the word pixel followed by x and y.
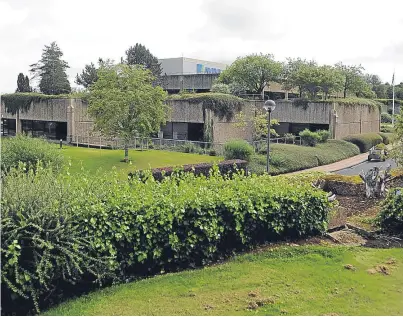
pixel 336 166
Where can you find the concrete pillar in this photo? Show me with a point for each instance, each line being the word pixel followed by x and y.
pixel 286 95
pixel 18 125
pixel 71 125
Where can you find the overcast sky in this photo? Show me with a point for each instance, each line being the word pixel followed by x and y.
pixel 352 31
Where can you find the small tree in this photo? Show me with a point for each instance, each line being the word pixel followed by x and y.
pixel 353 80
pixel 88 76
pixel 125 104
pixel 23 83
pixel 259 124
pixel 397 152
pixel 252 73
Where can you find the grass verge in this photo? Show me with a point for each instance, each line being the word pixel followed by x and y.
pixel 304 280
pixel 286 158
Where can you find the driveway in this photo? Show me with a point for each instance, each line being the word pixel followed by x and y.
pixel 365 166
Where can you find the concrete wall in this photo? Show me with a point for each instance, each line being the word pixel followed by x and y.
pixel 184 111
pixel 286 112
pixel 354 119
pixel 46 110
pixel 197 81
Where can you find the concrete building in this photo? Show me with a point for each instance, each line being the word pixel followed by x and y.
pixel 67 119
pixel 190 66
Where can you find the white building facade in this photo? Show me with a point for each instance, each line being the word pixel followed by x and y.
pixel 190 66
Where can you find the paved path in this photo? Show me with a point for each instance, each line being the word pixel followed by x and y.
pixel 365 166
pixel 340 165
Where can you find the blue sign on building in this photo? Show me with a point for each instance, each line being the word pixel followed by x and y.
pixel 201 69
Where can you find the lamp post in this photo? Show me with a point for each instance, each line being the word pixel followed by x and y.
pixel 269 106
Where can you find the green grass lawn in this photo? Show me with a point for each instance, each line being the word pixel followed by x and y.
pixel 304 280
pixel 93 159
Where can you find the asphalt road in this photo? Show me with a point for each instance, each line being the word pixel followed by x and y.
pixel 366 166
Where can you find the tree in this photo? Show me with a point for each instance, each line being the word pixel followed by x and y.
pixel 291 77
pixel 220 88
pixel 252 73
pixel 140 55
pixel 353 79
pixel 88 76
pixel 23 83
pixel 330 80
pixel 397 151
pixel 51 70
pixel 125 104
pixel 259 124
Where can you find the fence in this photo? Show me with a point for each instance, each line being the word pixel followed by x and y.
pixel 171 144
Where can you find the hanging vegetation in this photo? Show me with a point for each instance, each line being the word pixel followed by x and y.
pixel 223 105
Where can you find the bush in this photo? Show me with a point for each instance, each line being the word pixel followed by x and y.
pixel 286 158
pixel 310 138
pixel 385 137
pixel 386 118
pixel 212 152
pixel 324 135
pixel 139 228
pixel 364 141
pixel 220 88
pixel 225 168
pixel 386 128
pixel 238 149
pixel 22 148
pixel 390 218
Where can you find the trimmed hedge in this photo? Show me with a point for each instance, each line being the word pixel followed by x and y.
pixel 286 158
pixel 364 141
pixel 390 218
pixel 225 168
pixel 88 230
pixel 22 148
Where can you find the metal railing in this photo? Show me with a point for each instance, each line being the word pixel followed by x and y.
pixel 171 144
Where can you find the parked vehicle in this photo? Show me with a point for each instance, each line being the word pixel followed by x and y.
pixel 377 153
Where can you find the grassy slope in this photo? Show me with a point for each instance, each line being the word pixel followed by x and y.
pixel 300 280
pixel 287 158
pixel 93 159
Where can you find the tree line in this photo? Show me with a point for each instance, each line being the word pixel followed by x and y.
pixel 246 75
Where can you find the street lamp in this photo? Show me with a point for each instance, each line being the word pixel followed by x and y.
pixel 269 106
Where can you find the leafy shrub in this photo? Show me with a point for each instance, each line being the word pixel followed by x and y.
pixel 364 141
pixel 324 135
pixel 385 137
pixel 138 228
pixel 289 137
pixel 238 149
pixel 390 218
pixel 386 128
pixel 22 148
pixel 386 118
pixel 212 152
pixel 220 88
pixel 310 138
pixel 285 158
pixel 380 146
pixel 190 148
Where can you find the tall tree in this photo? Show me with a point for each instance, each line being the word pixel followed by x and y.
pixel 124 103
pixel 330 80
pixel 291 73
pixel 140 55
pixel 353 79
pixel 23 83
pixel 51 70
pixel 252 73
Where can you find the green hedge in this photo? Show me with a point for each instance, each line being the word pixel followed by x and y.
pixel 287 158
pixel 390 218
pixel 364 141
pixel 22 148
pixel 91 229
pixel 238 149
